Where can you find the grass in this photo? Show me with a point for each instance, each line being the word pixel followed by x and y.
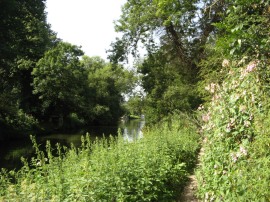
pixel 154 168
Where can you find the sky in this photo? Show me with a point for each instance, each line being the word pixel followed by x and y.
pixel 86 23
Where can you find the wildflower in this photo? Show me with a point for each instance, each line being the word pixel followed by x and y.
pixel 231 72
pixel 247 123
pixel 243 150
pixel 242 60
pixel 204 127
pixel 238 155
pixel 236 97
pixel 234 157
pixel 206 117
pixel 251 66
pixel 206 196
pixel 39 163
pixel 205 140
pixel 235 83
pixel 252 98
pixel 216 97
pixel 228 128
pixel 220 134
pixel 211 87
pixel 232 121
pixel 225 63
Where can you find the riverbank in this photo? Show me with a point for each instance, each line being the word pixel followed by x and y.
pixel 154 168
pixel 12 149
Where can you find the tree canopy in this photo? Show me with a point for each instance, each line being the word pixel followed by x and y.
pixel 174 34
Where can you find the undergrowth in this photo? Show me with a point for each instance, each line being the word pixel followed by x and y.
pixel 153 168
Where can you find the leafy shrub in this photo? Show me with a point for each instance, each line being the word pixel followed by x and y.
pixel 236 161
pixel 150 169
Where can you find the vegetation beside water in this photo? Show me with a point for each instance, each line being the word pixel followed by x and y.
pixel 211 54
pixel 154 168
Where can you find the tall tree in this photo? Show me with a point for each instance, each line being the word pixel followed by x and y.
pixel 24 37
pixel 59 81
pixel 174 33
pixel 181 28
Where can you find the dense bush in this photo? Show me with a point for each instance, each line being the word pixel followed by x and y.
pixel 236 159
pixel 153 168
pixel 235 164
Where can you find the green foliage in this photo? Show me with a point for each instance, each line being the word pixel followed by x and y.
pixel 59 79
pixel 90 88
pixel 231 166
pixel 106 86
pixel 167 88
pixel 42 78
pixel 25 36
pixel 174 34
pixel 243 33
pixel 135 105
pixel 150 169
pixel 245 29
pixel 141 20
pixel 234 166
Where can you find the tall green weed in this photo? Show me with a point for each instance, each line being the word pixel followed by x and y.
pixel 153 168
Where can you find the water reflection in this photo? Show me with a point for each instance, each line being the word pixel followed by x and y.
pixel 132 129
pixel 11 151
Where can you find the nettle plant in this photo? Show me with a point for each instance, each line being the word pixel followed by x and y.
pixel 230 128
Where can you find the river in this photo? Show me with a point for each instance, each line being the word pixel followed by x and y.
pixel 11 151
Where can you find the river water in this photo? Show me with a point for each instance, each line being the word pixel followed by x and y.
pixel 11 151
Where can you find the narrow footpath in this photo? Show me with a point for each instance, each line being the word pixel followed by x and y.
pixel 189 193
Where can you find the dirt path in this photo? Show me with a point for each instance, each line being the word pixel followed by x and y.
pixel 189 191
pixel 191 187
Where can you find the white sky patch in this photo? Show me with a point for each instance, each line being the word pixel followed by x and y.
pixel 86 23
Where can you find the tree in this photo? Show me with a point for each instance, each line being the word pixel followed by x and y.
pixel 135 104
pixel 59 81
pixel 166 89
pixel 107 85
pixel 174 34
pixel 24 37
pixel 180 28
pixel 241 36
